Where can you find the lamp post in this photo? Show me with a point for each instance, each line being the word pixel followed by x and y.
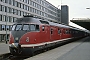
pixel 6 27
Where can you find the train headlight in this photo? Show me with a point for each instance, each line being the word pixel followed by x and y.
pixel 27 39
pixel 16 38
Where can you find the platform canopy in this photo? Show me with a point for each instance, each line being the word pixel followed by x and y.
pixel 83 22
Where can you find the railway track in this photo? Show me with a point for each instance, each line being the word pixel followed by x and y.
pixel 9 56
pixel 6 55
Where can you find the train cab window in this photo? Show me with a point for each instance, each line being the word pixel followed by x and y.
pixel 19 27
pixel 13 27
pixel 26 27
pixel 37 27
pixel 32 27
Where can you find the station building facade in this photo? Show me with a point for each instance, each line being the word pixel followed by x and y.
pixel 11 10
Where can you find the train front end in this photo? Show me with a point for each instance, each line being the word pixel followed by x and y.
pixel 23 36
pixel 20 35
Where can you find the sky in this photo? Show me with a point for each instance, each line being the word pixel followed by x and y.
pixel 77 8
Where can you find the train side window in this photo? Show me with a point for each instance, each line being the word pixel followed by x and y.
pixel 32 27
pixel 51 31
pixel 26 27
pixel 37 27
pixel 59 31
pixel 66 31
pixel 43 28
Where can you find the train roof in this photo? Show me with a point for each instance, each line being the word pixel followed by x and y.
pixel 27 20
pixel 32 19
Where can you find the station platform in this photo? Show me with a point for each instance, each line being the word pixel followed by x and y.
pixel 4 48
pixel 78 50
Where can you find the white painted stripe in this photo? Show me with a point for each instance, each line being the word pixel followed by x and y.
pixel 39 44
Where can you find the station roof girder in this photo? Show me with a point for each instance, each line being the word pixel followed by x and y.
pixel 85 23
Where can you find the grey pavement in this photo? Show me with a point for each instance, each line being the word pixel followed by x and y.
pixel 4 48
pixel 81 52
pixel 67 52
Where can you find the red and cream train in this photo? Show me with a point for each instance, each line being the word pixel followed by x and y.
pixel 30 34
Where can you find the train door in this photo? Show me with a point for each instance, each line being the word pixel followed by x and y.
pixel 45 33
pixel 51 33
pixel 55 33
pixel 62 33
pixel 59 33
